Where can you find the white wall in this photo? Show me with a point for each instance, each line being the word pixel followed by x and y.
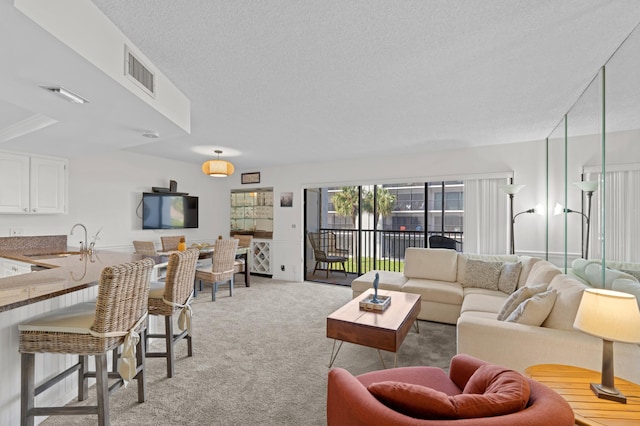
pixel 105 191
pixel 526 159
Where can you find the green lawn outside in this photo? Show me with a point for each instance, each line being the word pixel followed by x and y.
pixel 366 265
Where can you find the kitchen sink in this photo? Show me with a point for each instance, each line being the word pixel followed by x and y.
pixel 52 255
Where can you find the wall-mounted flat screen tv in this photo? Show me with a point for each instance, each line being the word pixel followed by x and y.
pixel 169 211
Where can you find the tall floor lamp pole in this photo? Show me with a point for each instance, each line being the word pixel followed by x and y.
pixel 512 189
pixel 588 187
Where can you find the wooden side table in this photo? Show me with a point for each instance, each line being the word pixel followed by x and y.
pixel 573 384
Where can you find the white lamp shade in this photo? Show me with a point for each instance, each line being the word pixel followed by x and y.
pixel 217 168
pixel 587 185
pixel 610 315
pixel 511 188
pixel 558 209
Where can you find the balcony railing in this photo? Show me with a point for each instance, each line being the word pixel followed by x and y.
pixel 380 249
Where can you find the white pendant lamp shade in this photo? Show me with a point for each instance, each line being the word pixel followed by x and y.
pixel 218 168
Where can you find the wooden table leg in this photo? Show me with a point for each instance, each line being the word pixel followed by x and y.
pixel 247 273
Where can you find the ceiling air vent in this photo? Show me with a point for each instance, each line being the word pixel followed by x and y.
pixel 139 73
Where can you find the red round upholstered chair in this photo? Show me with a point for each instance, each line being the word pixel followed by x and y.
pixel 351 400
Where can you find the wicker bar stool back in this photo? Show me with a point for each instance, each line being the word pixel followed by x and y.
pixel 116 318
pixel 175 294
pixel 170 243
pixel 147 248
pixel 222 266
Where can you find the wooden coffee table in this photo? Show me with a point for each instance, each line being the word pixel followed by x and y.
pixel 380 330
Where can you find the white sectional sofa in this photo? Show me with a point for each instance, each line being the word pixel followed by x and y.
pixel 457 288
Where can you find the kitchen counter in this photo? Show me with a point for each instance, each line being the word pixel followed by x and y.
pixel 60 273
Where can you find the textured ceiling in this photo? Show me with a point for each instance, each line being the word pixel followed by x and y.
pixel 278 82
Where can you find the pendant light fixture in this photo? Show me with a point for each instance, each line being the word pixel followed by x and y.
pixel 218 167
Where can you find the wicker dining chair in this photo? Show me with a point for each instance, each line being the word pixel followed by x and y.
pixel 222 266
pixel 170 243
pixel 173 295
pixel 117 318
pixel 147 248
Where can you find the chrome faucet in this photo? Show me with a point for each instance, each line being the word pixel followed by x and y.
pixel 94 239
pixel 83 244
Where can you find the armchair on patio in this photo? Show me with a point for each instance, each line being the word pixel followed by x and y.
pixel 326 251
pixel 440 241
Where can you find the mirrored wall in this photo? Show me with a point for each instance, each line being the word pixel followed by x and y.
pixel 593 176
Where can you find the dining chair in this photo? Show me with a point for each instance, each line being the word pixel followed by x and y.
pixel 118 317
pixel 170 243
pixel 222 266
pixel 147 248
pixel 172 296
pixel 241 263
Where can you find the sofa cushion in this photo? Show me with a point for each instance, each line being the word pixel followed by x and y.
pixel 482 274
pixel 527 265
pixel 566 306
pixel 534 310
pixel 633 272
pixel 489 301
pixel 431 264
pixel 578 267
pixel 542 272
pixel 494 391
pixel 388 281
pixel 462 261
pixel 509 274
pixel 435 291
pixel 627 286
pixel 517 297
pixel 593 271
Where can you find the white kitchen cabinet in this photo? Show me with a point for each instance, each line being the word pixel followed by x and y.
pixel 9 268
pixel 32 185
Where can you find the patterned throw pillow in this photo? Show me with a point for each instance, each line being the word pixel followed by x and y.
pixel 517 297
pixel 482 274
pixel 509 275
pixel 535 310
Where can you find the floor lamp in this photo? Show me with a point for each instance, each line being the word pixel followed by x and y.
pixel 588 187
pixel 511 190
pixel 612 316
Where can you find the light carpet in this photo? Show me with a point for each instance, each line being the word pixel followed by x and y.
pixel 260 358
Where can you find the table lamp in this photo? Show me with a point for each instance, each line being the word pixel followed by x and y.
pixel 614 317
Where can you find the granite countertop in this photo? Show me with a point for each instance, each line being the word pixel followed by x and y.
pixel 64 272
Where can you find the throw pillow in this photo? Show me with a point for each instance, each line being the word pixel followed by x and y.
pixel 414 400
pixel 517 297
pixel 506 388
pixel 535 310
pixel 482 274
pixel 567 302
pixel 493 391
pixel 509 275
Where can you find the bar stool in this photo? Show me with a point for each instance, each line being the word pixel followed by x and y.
pixel 116 318
pixel 174 295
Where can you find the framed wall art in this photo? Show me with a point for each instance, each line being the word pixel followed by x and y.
pixel 253 177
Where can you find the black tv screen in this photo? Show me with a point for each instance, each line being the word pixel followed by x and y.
pixel 167 211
